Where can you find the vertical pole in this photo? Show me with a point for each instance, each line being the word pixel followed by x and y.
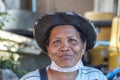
pixel 34 6
pixel 118 10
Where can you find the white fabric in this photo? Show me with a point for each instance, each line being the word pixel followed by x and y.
pixel 55 67
pixel 85 73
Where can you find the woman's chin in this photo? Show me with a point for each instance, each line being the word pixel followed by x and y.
pixel 66 66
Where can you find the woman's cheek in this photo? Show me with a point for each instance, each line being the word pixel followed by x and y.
pixel 53 51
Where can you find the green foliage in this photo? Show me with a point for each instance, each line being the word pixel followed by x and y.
pixel 3 13
pixel 12 64
pixel 2 18
pixel 5 17
pixel 9 63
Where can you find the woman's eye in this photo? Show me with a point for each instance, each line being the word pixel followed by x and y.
pixel 56 42
pixel 72 40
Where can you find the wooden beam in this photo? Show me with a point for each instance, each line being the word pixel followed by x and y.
pixel 17 43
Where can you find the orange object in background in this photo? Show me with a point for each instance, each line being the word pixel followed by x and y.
pixel 114 60
pixel 115 35
pixel 103 33
pixel 114 55
pixel 99 16
pixel 99 55
pixel 103 30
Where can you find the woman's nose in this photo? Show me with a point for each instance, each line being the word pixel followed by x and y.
pixel 64 46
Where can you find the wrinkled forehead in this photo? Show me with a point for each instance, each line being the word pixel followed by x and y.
pixel 64 29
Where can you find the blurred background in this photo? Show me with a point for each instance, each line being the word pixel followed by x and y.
pixel 19 52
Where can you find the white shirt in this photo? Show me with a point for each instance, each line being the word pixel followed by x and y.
pixel 85 73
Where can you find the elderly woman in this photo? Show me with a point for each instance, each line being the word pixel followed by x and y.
pixel 65 37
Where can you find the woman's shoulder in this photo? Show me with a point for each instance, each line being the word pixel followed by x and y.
pixel 33 75
pixel 93 73
pixel 86 69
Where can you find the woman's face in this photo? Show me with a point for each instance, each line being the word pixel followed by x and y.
pixel 65 46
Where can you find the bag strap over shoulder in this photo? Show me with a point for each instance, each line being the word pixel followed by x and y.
pixel 43 74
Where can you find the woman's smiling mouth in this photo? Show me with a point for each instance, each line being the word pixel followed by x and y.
pixel 66 56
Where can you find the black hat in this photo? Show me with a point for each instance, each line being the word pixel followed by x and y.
pixel 45 23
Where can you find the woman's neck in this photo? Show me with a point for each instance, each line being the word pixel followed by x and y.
pixel 76 67
pixel 55 75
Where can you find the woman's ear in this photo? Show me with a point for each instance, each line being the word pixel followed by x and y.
pixel 84 48
pixel 47 48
